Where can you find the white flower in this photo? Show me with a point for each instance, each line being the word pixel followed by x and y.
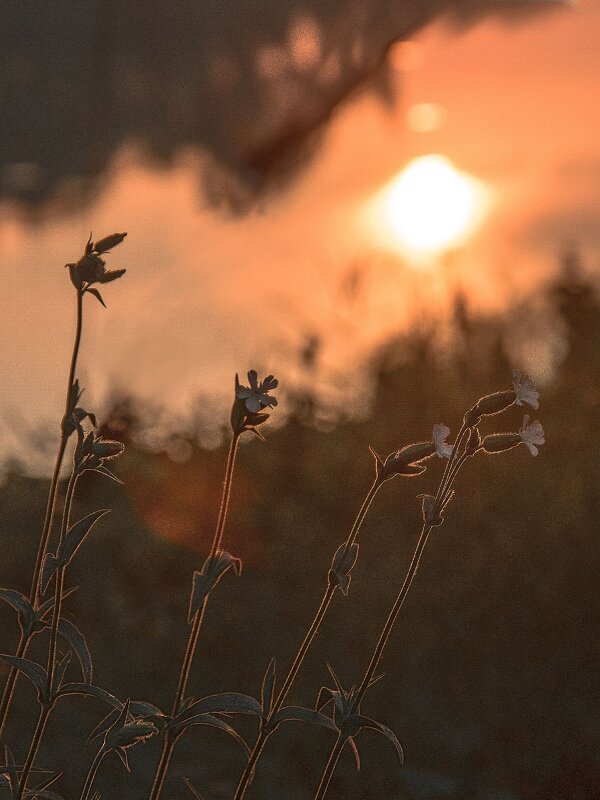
pixel 531 435
pixel 256 395
pixel 525 390
pixel 442 448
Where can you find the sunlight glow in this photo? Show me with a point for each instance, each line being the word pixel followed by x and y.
pixel 428 208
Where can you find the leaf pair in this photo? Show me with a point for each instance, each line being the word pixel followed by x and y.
pixel 348 719
pixel 204 581
pixel 69 546
pixel 341 566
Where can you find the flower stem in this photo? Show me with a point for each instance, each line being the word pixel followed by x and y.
pixel 190 650
pixel 450 472
pixel 91 776
pixel 9 688
pixel 60 581
pixel 332 761
pixel 266 731
pixel 33 748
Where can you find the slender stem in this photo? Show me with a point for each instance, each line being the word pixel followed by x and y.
pixel 190 650
pixel 266 731
pixel 334 757
pixel 33 748
pixel 47 529
pixel 450 472
pixel 9 687
pixel 13 674
pixel 91 776
pixel 387 628
pixel 60 580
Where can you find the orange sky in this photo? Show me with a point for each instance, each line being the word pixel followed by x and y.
pixel 205 296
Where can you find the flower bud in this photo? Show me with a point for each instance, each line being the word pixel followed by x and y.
pixel 405 461
pixel 109 242
pixel 499 442
pixel 489 405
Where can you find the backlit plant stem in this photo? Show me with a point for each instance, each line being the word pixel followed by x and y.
pixel 91 776
pixel 190 651
pixel 452 467
pixel 48 704
pixel 24 639
pixel 266 730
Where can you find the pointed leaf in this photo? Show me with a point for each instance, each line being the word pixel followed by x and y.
pixel 44 794
pixel 89 689
pixel 51 564
pixel 122 753
pixel 48 605
pixel 358 721
pixel 77 533
pixel 32 671
pixel 96 294
pixel 341 566
pixel 205 581
pixel 79 646
pixel 21 605
pixel 111 275
pixel 107 474
pixel 299 714
pixel 193 789
pixel 355 751
pixel 226 703
pixel 267 689
pixel 207 719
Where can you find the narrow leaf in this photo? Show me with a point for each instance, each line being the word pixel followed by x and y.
pixel 89 689
pixel 355 751
pixel 227 703
pixel 96 294
pixel 51 564
pixel 20 604
pixel 357 721
pixel 77 533
pixel 32 671
pixel 267 689
pixel 299 714
pixel 210 720
pixel 79 646
pixel 205 581
pixel 193 789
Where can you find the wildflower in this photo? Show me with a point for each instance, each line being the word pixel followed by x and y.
pixel 525 390
pixel 532 434
pixel 91 268
pixel 439 435
pixel 257 395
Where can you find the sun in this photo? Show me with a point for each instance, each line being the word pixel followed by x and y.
pixel 428 208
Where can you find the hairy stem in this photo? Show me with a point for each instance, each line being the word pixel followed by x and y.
pixel 190 650
pixel 332 761
pixel 247 775
pixel 450 472
pixel 33 748
pixel 91 776
pixel 60 580
pixel 9 688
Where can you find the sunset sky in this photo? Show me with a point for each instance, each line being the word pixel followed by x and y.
pixel 514 107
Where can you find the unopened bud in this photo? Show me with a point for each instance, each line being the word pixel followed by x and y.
pixel 489 405
pixel 406 461
pixel 109 242
pixel 499 442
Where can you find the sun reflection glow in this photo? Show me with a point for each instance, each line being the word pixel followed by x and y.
pixel 428 208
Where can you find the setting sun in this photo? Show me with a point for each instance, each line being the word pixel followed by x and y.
pixel 429 207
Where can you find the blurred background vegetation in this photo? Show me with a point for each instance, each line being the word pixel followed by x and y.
pixel 491 675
